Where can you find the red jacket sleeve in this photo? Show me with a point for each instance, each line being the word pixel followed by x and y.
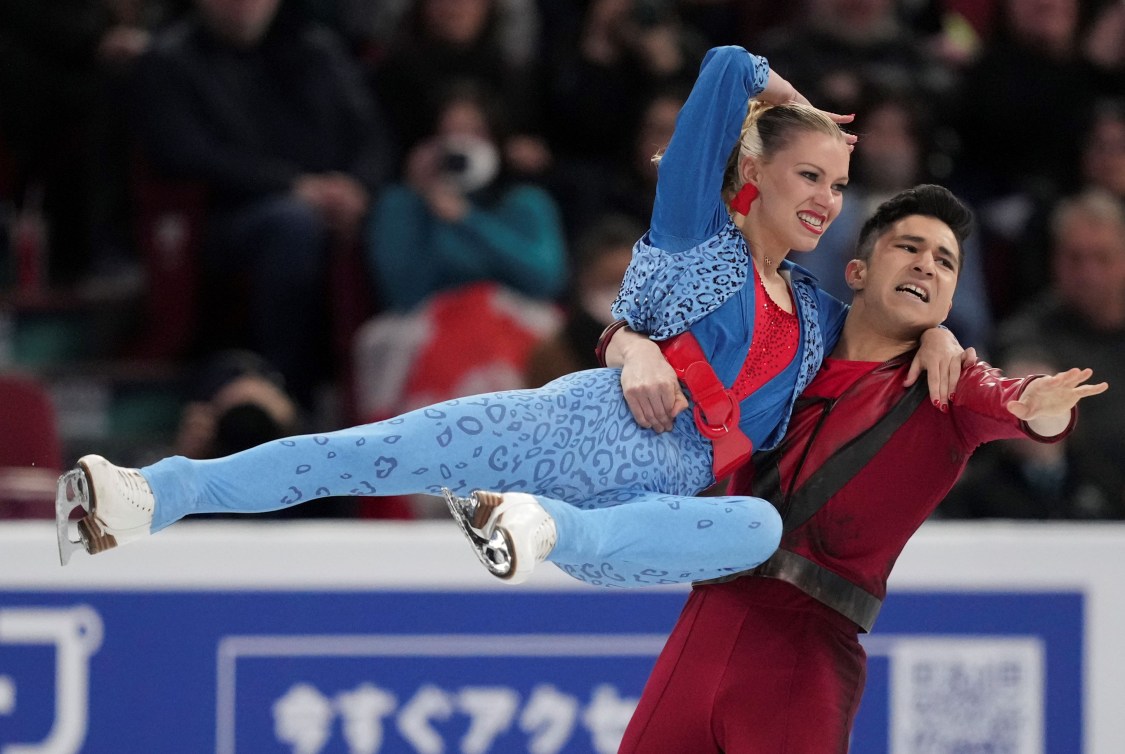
pixel 980 409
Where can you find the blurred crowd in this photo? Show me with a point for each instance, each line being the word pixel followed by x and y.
pixel 399 201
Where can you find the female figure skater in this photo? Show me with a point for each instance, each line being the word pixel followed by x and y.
pixel 576 480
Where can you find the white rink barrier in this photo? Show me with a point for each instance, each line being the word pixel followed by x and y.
pixel 389 637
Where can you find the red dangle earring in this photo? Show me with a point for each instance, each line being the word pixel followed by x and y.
pixel 744 198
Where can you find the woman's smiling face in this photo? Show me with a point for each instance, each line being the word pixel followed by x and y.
pixel 801 189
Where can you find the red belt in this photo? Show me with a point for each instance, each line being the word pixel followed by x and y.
pixel 714 406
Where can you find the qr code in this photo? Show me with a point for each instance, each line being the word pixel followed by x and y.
pixel 967 696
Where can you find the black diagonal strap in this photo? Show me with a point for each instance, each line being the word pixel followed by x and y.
pixel 845 463
pixel 823 585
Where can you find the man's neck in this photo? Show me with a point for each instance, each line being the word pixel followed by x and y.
pixel 859 342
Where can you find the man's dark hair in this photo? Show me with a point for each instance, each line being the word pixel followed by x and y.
pixel 927 199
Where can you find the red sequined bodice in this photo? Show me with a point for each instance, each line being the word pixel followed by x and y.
pixel 776 336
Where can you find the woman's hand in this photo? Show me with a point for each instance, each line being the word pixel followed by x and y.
pixel 1046 403
pixel 941 357
pixel 778 91
pixel 648 381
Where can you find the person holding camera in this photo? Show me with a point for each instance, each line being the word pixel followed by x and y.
pixel 457 218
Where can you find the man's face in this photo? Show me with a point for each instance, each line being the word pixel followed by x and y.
pixel 1103 159
pixel 243 22
pixel 909 280
pixel 457 21
pixel 1089 268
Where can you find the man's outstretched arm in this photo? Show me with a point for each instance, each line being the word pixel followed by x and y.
pixel 1046 403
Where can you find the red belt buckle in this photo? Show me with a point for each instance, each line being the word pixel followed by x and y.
pixel 702 417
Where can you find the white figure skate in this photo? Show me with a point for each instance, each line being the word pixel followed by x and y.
pixel 510 532
pixel 117 501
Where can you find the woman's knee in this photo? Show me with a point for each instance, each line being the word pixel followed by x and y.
pixel 767 527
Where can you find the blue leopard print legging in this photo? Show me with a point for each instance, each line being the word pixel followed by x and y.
pixel 621 496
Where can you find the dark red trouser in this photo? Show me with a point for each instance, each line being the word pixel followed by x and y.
pixel 753 666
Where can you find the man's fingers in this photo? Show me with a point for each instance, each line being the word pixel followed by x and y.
pixel 1085 391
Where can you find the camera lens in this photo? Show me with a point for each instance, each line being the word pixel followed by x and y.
pixel 454 163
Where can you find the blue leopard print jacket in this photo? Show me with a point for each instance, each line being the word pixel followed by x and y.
pixel 690 271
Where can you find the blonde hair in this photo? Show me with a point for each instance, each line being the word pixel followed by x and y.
pixel 767 129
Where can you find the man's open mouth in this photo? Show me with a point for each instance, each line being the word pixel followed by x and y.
pixel 914 290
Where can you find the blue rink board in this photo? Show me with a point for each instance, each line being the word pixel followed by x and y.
pixel 409 674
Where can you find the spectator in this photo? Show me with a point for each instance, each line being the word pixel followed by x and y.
pixel 896 152
pixel 738 21
pixel 1022 478
pixel 1104 46
pixel 588 189
pixel 271 116
pixel 235 401
pixel 1019 152
pixel 1103 150
pixel 238 400
pixel 603 256
pixel 1081 320
pixel 606 60
pixel 1102 167
pixel 846 44
pixel 458 218
pixel 61 64
pixel 439 41
pixel 374 23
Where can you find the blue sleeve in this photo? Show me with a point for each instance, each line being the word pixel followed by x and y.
pixel 689 207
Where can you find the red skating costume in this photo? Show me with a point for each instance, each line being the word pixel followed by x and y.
pixel 759 665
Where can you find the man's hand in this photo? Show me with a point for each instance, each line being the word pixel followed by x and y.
pixel 1046 403
pixel 648 381
pixel 941 357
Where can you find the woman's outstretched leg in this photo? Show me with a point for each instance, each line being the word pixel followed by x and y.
pixel 571 440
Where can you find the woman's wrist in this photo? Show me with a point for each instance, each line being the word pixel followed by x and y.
pixel 605 338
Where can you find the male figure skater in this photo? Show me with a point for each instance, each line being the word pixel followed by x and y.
pixel 770 659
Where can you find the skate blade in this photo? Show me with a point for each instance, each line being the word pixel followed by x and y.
pixel 492 552
pixel 73 492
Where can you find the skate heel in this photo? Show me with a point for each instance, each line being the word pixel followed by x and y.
pixel 94 539
pixel 486 503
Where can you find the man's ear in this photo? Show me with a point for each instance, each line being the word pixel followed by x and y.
pixel 855 274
